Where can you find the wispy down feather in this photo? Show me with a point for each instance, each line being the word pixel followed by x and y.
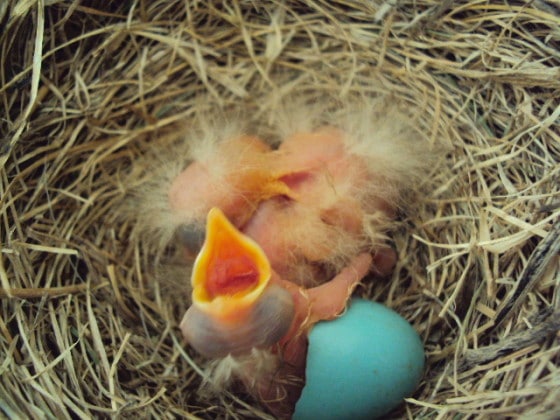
pixel 316 184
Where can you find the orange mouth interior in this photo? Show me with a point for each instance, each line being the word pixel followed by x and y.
pixel 231 274
pixel 231 269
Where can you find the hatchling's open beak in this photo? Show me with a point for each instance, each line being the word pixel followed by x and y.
pixel 235 306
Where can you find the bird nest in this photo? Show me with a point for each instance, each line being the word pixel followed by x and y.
pixel 89 320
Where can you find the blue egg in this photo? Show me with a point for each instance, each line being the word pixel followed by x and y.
pixel 360 365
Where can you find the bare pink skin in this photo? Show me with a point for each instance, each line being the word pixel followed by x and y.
pixel 298 202
pixel 321 303
pixel 235 181
pixel 301 204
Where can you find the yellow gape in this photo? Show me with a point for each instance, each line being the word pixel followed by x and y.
pixel 235 307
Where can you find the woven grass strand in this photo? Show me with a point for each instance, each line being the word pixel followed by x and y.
pixel 97 103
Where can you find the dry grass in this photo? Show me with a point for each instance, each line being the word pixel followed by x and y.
pixel 88 88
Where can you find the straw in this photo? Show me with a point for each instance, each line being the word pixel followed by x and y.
pixel 96 98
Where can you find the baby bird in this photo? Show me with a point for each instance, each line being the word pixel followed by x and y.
pixel 282 235
pixel 308 203
pixel 290 231
pixel 243 310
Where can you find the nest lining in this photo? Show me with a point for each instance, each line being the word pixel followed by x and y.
pixel 88 323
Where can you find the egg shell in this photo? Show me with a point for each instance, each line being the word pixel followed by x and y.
pixel 360 365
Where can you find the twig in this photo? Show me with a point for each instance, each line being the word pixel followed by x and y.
pixel 545 323
pixel 39 292
pixel 535 268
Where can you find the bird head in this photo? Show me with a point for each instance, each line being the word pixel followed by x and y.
pixel 235 305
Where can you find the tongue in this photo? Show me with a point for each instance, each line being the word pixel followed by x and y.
pixel 230 263
pixel 228 276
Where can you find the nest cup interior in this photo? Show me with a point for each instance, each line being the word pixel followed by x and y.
pixel 99 99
